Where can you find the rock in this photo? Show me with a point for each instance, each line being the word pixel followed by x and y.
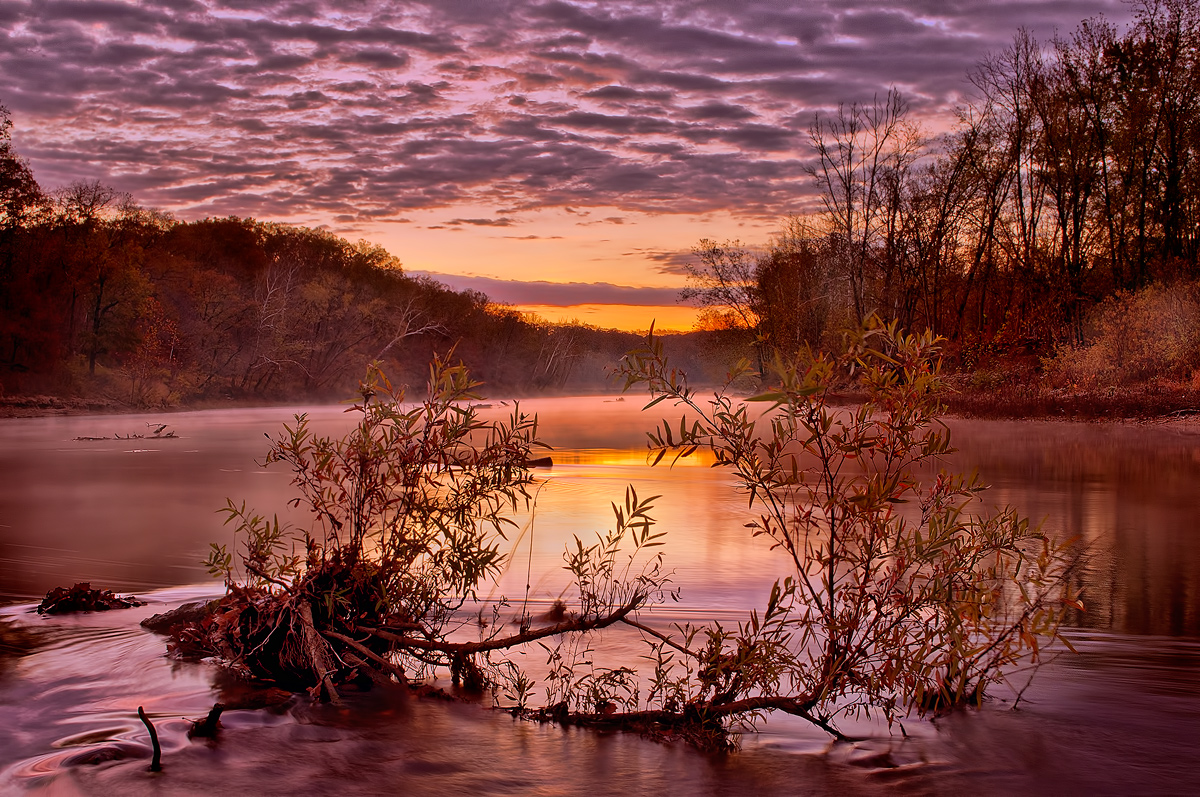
pixel 168 622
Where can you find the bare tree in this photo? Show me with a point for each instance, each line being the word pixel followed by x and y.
pixel 724 284
pixel 861 151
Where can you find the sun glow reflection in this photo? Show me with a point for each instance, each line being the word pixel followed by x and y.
pixel 604 457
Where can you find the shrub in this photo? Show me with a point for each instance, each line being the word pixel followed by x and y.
pixel 1135 337
pixel 408 513
pixel 902 593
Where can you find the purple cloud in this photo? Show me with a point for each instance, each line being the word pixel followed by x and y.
pixel 362 111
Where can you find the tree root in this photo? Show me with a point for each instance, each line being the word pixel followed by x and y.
pixel 318 652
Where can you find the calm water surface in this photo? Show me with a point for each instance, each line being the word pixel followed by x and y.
pixel 1121 717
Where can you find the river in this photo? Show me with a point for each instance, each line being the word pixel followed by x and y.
pixel 1121 716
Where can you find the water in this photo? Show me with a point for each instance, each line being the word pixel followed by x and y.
pixel 1122 716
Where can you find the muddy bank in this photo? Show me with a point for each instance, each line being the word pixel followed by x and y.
pixel 1018 401
pixel 41 406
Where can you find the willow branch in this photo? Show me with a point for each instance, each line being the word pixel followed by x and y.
pixel 370 654
pixel 566 627
pixel 658 635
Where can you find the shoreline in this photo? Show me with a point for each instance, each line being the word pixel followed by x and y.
pixel 1141 404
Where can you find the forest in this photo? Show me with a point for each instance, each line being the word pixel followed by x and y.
pixel 103 297
pixel 1050 237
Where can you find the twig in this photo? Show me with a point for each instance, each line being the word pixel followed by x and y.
pixel 661 636
pixel 156 761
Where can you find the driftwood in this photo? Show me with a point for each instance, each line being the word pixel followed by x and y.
pixel 318 654
pixel 289 640
pixel 159 433
pixel 207 727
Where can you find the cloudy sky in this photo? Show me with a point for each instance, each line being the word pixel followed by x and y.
pixel 560 156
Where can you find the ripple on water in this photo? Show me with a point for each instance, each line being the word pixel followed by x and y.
pixel 68 723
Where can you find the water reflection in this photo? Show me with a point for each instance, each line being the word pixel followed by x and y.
pixel 137 515
pixel 1121 717
pixel 1130 493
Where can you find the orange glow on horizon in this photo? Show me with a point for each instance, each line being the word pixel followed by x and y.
pixel 629 318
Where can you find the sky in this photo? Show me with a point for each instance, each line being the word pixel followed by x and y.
pixel 562 157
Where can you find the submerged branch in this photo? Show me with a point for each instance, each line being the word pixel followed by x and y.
pixel 370 654
pixel 504 643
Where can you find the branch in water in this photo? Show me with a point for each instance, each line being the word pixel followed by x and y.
pixel 569 626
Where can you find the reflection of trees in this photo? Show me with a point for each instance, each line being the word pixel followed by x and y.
pixel 1127 493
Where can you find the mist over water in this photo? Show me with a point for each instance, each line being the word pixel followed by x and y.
pixel 1122 716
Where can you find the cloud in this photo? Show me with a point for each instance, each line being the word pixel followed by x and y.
pixel 501 222
pixel 670 261
pixel 368 110
pixel 556 294
pixel 377 58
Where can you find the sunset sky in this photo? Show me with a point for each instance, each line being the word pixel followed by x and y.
pixel 560 156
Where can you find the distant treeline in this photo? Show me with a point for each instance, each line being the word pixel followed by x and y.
pixel 1070 184
pixel 101 297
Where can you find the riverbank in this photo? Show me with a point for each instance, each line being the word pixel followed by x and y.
pixel 1005 398
pixel 47 406
pixel 995 396
pixel 41 406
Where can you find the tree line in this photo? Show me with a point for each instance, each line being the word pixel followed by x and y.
pixel 102 297
pixel 1071 179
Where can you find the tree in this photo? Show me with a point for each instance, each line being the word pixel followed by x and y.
pixel 21 199
pixel 407 514
pixel 904 595
pixel 20 195
pixel 862 153
pixel 794 292
pixel 723 285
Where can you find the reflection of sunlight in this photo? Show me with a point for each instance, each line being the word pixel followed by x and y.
pixel 617 457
